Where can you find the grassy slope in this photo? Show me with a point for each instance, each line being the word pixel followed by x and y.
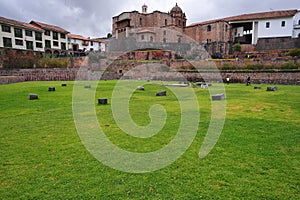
pixel 257 155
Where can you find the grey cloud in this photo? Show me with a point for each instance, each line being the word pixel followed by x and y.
pixel 94 17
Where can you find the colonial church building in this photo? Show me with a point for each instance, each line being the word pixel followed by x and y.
pixel 255 31
pixel 150 27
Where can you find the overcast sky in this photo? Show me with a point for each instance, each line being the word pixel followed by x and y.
pixel 93 18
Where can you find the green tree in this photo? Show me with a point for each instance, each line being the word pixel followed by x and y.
pixel 237 47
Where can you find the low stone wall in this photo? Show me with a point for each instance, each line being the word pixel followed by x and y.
pixel 255 78
pixel 11 79
pixel 70 74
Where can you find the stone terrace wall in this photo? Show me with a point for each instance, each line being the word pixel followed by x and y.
pixel 256 78
pixel 71 73
pixel 11 79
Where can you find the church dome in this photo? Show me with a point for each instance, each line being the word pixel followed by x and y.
pixel 176 9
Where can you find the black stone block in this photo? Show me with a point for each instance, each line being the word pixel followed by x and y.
pixel 218 97
pixel 161 93
pixel 51 89
pixel 33 96
pixel 140 88
pixel 102 101
pixel 272 88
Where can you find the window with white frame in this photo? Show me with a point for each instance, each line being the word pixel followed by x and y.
pixel 6 28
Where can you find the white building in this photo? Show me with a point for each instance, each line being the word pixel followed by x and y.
pixel 296 25
pixel 55 38
pixel 249 28
pixel 80 44
pixel 20 35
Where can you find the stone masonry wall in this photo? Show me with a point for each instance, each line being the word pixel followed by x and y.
pixel 71 74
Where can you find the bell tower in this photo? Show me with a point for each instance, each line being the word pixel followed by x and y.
pixel 179 16
pixel 144 9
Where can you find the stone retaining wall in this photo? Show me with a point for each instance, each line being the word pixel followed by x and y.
pixel 255 78
pixel 11 79
pixel 70 74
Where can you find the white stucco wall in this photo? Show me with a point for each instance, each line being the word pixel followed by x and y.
pixel 25 38
pixel 275 29
pixel 296 22
pixel 96 45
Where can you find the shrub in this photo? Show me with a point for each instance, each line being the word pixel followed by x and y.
pixel 295 52
pixel 54 62
pixel 288 65
pixel 227 66
pixel 237 47
pixel 257 66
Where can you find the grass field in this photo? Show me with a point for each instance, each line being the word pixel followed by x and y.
pixel 256 157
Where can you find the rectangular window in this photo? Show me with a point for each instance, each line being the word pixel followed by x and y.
pixel 28 33
pixel 48 44
pixel 7 42
pixel 47 32
pixel 208 28
pixel 6 28
pixel 55 36
pixel 29 45
pixel 92 43
pixel 18 33
pixel 38 36
pixel 39 45
pixel 267 24
pixel 165 33
pixel 55 43
pixel 62 35
pixel 142 37
pixel 19 42
pixel 63 46
pixel 283 24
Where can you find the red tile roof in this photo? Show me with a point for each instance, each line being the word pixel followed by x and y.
pixel 19 24
pixel 49 27
pixel 78 37
pixel 252 16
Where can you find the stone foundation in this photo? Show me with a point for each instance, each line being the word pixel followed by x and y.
pixel 19 75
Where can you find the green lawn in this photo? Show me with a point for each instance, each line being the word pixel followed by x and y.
pixel 256 157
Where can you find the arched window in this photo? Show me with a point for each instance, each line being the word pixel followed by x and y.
pixel 179 39
pixel 151 39
pixel 209 28
pixel 166 22
pixel 141 21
